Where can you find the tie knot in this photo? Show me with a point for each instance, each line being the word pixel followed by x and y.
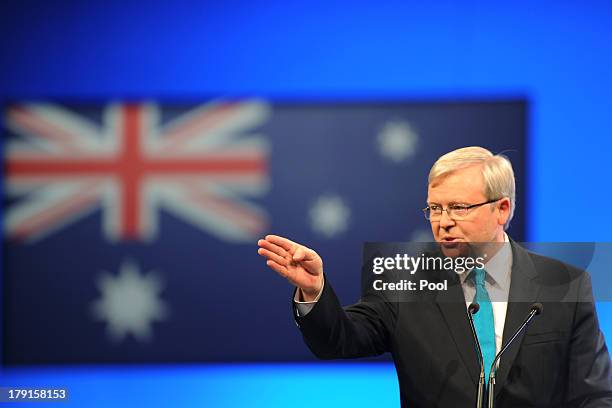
pixel 479 275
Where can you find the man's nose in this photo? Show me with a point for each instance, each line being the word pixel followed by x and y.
pixel 445 220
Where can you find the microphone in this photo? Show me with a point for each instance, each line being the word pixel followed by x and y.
pixel 534 310
pixel 472 310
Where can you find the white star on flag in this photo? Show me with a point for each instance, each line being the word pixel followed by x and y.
pixel 130 302
pixel 329 215
pixel 397 141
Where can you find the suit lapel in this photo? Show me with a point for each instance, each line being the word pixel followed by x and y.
pixel 524 290
pixel 452 306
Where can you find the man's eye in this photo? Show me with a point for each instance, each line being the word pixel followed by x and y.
pixel 435 208
pixel 458 208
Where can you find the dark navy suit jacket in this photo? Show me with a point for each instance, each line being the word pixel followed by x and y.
pixel 560 361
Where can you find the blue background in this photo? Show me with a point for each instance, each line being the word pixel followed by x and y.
pixel 557 55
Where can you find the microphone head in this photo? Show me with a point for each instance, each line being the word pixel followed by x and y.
pixel 473 308
pixel 537 308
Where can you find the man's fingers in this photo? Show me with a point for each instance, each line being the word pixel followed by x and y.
pixel 273 248
pixel 296 252
pixel 282 242
pixel 278 268
pixel 272 256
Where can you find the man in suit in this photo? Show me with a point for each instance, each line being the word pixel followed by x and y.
pixel 561 360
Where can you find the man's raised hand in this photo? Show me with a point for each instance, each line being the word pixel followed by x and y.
pixel 300 265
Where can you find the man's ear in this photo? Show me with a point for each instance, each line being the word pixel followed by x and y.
pixel 503 206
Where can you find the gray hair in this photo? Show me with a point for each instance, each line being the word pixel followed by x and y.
pixel 496 171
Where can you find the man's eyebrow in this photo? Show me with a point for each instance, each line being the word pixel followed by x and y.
pixel 450 203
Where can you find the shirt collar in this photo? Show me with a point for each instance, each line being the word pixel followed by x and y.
pixel 498 267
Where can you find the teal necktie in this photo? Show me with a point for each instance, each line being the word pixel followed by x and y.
pixel 483 320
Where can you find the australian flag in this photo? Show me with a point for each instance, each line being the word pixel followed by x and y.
pixel 130 229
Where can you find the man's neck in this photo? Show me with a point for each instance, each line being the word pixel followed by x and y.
pixel 495 246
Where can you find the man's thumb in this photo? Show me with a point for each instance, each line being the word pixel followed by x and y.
pixel 299 254
pixel 302 254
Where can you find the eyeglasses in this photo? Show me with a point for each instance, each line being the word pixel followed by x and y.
pixel 454 211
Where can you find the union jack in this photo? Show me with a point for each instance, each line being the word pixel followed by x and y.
pixel 198 166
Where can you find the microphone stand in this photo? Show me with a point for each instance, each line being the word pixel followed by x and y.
pixel 472 310
pixel 535 309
